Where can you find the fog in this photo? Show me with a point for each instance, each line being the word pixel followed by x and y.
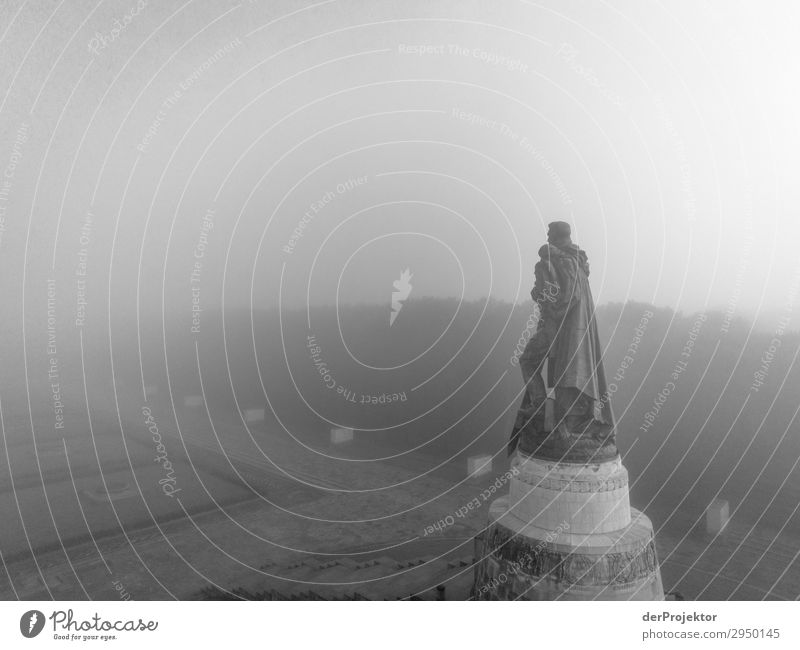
pixel 189 192
pixel 666 136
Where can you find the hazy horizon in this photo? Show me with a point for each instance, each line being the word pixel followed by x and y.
pixel 267 325
pixel 666 136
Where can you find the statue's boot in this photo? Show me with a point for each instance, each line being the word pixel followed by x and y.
pixel 574 409
pixel 531 416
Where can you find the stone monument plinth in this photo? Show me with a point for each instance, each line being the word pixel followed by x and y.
pixel 717 516
pixel 566 530
pixel 479 465
pixel 254 415
pixel 341 435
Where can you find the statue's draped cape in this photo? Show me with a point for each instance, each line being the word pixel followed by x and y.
pixel 576 354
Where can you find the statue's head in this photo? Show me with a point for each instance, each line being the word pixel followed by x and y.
pixel 558 233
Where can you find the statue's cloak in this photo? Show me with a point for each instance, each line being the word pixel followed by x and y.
pixel 576 355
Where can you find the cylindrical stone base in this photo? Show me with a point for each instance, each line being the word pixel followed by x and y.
pixel 517 560
pixel 590 498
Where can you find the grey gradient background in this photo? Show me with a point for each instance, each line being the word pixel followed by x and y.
pixel 664 133
pixel 436 136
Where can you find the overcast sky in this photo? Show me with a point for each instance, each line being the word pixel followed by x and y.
pixel 435 136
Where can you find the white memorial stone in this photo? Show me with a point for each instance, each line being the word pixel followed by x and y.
pixel 479 465
pixel 717 516
pixel 340 435
pixel 254 415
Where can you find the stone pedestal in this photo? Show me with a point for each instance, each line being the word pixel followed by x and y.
pixel 717 515
pixel 341 435
pixel 479 465
pixel 254 415
pixel 566 531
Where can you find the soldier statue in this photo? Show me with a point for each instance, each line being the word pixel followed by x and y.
pixel 566 344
